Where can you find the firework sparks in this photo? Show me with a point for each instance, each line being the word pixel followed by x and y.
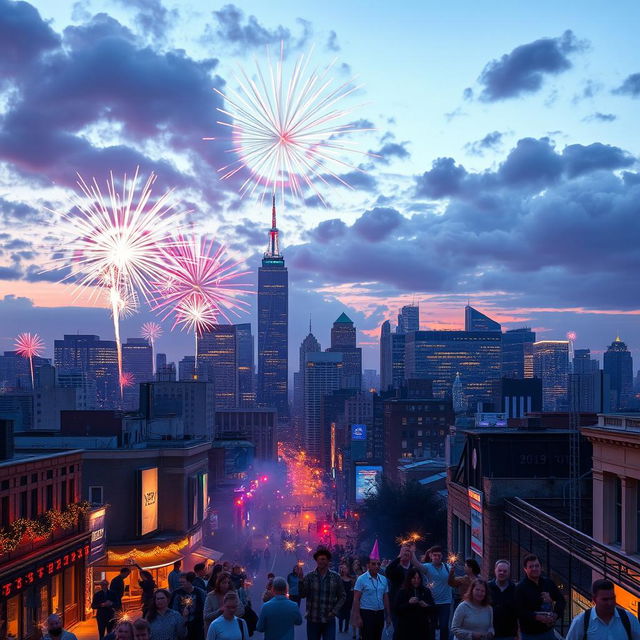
pixel 29 345
pixel 571 336
pixel 151 331
pixel 116 240
pixel 288 133
pixel 205 286
pixel 127 380
pixel 452 558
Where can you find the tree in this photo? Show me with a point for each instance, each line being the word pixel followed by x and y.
pixel 396 511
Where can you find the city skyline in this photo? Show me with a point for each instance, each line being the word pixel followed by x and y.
pixel 455 206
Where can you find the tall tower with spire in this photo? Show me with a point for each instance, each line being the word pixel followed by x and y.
pixel 273 325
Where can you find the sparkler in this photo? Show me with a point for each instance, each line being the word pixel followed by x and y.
pixel 29 345
pixel 288 132
pixel 151 331
pixel 452 558
pixel 204 287
pixel 116 240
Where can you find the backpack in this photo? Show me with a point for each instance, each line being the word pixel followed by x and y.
pixel 624 618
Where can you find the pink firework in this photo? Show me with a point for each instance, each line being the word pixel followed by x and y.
pixel 572 335
pixel 29 345
pixel 127 379
pixel 206 285
pixel 151 331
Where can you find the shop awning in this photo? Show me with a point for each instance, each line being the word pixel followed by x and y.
pixel 207 553
pixel 151 556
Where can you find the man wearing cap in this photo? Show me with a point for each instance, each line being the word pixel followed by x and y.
pixel 371 602
pixel 325 595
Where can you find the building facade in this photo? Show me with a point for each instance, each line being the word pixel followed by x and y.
pixel 618 365
pixel 218 363
pixel 343 340
pixel 517 353
pixel 551 365
pixel 256 425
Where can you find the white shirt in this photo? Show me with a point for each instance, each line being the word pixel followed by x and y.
pixel 372 590
pixel 223 629
pixel 599 630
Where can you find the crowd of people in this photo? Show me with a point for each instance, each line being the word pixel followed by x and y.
pixel 402 599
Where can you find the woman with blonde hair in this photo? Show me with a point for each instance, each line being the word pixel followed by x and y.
pixel 473 618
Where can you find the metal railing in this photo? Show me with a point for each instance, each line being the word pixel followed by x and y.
pixel 610 563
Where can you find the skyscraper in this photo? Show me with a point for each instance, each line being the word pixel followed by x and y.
pixel 137 360
pixel 217 363
pixel 273 325
pixel 391 358
pixel 618 364
pixel 246 369
pixel 343 340
pixel 583 363
pixel 187 369
pixel 457 393
pixel 476 321
pixel 517 353
pixel 551 365
pixel 409 319
pixel 308 345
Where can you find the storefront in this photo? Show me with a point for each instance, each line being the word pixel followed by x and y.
pixel 37 587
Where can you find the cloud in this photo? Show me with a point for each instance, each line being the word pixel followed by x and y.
pixel 444 179
pixel 378 223
pixel 581 159
pixel 630 86
pixel 390 150
pixel 36 274
pixel 152 16
pixel 332 42
pixel 491 142
pixel 600 117
pixel 12 212
pixel 523 70
pixel 328 230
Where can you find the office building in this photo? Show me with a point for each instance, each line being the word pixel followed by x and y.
pixel 517 353
pixel 137 360
pixel 95 358
pixel 166 372
pixel 273 326
pixel 590 392
pixel 343 340
pixel 476 321
pixel 246 367
pixel 15 372
pixel 370 380
pixel 551 365
pixel 583 362
pixel 457 395
pixel 392 347
pixel 309 345
pixel 409 319
pixel 218 363
pixel 85 388
pixel 520 396
pixel 187 369
pixel 256 425
pixel 618 365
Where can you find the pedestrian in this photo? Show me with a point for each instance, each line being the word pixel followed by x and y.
pixel 215 599
pixel 539 602
pixel 293 581
pixel 148 586
pixel 325 596
pixel 141 629
pixel 398 570
pixel 267 594
pixel 414 609
pixel 461 583
pixel 228 626
pixel 55 630
pixel 189 601
pixel 174 576
pixel 605 620
pixel 356 568
pixel 117 587
pixel 502 592
pixel 344 615
pixel 200 570
pixel 237 577
pixel 165 623
pixel 371 610
pixel 280 615
pixel 437 576
pixel 473 617
pixel 102 603
pixel 122 631
pixel 213 578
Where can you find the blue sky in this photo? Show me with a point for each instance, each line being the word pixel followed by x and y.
pixel 508 136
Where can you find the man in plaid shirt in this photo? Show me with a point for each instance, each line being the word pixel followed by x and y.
pixel 325 595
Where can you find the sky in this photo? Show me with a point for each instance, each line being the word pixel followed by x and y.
pixel 502 170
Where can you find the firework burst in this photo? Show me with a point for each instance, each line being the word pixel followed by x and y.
pixel 288 133
pixel 29 345
pixel 151 331
pixel 127 380
pixel 115 242
pixel 205 285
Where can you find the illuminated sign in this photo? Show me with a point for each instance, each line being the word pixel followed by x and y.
pixel 475 504
pixel 367 481
pixel 56 564
pixel 98 535
pixel 358 431
pixel 148 500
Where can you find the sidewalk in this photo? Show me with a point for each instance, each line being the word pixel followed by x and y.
pixel 88 629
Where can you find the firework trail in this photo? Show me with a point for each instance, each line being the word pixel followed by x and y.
pixel 288 132
pixel 205 286
pixel 151 331
pixel 115 242
pixel 29 345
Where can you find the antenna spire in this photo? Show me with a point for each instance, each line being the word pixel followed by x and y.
pixel 273 251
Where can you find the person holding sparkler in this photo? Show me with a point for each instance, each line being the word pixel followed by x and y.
pixel 471 571
pixel 414 609
pixel 437 575
pixel 165 623
pixel 189 601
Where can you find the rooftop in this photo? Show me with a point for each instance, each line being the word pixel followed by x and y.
pixel 343 318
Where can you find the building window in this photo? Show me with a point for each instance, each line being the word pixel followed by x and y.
pixel 95 495
pixel 34 503
pixel 618 513
pixel 24 513
pixel 49 497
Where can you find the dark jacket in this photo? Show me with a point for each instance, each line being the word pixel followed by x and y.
pixel 395 573
pixel 529 602
pixel 117 588
pixel 414 622
pixel 103 613
pixel 505 616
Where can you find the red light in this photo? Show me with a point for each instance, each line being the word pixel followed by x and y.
pixel 239 502
pixel 264 478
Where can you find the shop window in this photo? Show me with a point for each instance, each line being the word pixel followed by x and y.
pixel 13 607
pixel 56 594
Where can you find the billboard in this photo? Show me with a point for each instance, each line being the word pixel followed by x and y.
pixel 367 477
pixel 148 500
pixel 475 504
pixel 98 537
pixel 358 431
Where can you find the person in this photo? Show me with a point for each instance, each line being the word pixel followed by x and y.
pixel 325 596
pixel 215 599
pixel 414 609
pixel 174 576
pixel 228 626
pixel 237 577
pixel 605 620
pixel 345 611
pixel 473 617
pixel 461 583
pixel 117 587
pixel 280 615
pixel 293 581
pixel 371 610
pixel 356 568
pixel 502 592
pixel 398 570
pixel 200 580
pixel 437 575
pixel 189 601
pixel 102 604
pixel 55 630
pixel 148 586
pixel 141 629
pixel 213 578
pixel 539 602
pixel 165 623
pixel 123 631
pixel 268 590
